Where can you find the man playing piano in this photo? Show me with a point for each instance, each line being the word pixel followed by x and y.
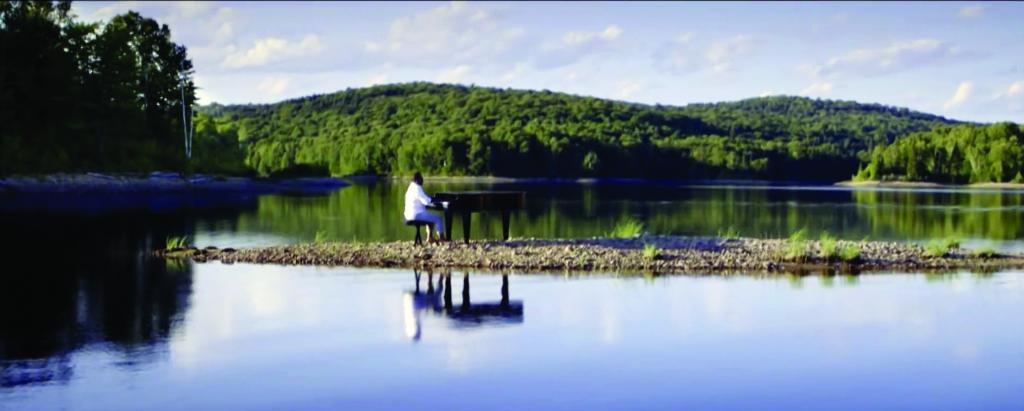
pixel 416 202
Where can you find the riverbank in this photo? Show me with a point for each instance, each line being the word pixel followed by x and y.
pixel 659 254
pixel 925 184
pixel 93 193
pixel 159 182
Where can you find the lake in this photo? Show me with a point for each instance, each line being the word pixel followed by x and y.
pixel 90 324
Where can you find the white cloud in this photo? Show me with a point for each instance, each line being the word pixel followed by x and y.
pixel 380 78
pixel 454 33
pixel 575 45
pixel 106 12
pixel 273 49
pixel 275 85
pixel 817 89
pixel 767 93
pixel 678 55
pixel 898 56
pixel 721 53
pixel 221 26
pixel 513 74
pixel 971 12
pixel 628 88
pixel 456 74
pixel 960 96
pixel 576 38
pixel 1015 89
pixel 206 28
pixel 202 93
pixel 681 55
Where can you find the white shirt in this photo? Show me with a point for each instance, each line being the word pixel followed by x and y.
pixel 416 201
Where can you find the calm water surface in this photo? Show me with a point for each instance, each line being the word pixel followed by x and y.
pixel 215 336
pixel 371 210
pixel 88 323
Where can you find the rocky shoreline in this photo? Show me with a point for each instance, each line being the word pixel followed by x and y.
pixel 159 182
pixel 154 192
pixel 657 254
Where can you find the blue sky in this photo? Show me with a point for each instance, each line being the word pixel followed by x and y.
pixel 961 60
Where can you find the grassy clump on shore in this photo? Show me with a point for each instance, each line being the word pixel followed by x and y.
pixel 850 253
pixel 651 252
pixel 829 246
pixel 176 242
pixel 321 237
pixel 730 233
pixel 832 249
pixel 985 252
pixel 941 247
pixel 797 248
pixel 627 228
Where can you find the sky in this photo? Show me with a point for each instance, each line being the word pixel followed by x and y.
pixel 959 60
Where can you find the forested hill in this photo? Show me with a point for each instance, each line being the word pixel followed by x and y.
pixel 460 130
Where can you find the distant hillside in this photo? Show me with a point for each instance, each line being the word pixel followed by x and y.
pixel 460 130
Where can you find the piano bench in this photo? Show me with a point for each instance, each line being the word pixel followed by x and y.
pixel 418 224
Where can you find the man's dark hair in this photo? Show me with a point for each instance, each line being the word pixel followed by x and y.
pixel 417 178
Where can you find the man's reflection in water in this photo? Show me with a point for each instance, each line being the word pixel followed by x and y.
pixel 438 301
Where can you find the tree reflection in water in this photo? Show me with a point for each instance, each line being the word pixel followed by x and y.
pixel 468 314
pixel 88 285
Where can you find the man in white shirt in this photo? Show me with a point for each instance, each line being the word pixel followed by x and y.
pixel 416 202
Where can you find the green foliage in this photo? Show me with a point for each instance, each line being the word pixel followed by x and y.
pixel 730 233
pixel 458 130
pixel 960 154
pixel 215 147
pixel 628 227
pixel 651 252
pixel 88 96
pixel 797 248
pixel 321 237
pixel 985 252
pixel 829 246
pixel 941 247
pixel 176 242
pixel 849 253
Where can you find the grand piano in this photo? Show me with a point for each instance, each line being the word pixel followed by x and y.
pixel 464 203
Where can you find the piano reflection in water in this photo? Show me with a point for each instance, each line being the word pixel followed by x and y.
pixel 438 301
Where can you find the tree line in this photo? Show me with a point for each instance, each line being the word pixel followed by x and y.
pixel 468 130
pixel 105 96
pixel 959 155
pixel 80 96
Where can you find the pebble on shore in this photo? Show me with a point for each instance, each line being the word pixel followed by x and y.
pixel 674 255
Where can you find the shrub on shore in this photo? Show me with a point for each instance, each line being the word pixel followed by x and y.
pixel 832 249
pixel 849 253
pixel 651 252
pixel 321 237
pixel 796 246
pixel 627 228
pixel 176 242
pixel 829 246
pixel 985 252
pixel 730 233
pixel 941 247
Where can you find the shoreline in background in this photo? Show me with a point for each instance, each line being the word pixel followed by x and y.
pixel 658 254
pixel 160 182
pixel 93 193
pixel 925 184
